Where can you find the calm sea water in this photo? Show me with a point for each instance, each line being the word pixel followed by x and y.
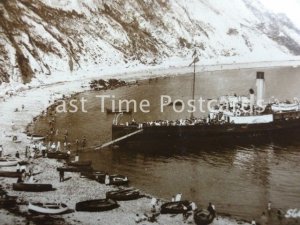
pixel 240 179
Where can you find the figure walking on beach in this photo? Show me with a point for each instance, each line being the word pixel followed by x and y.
pixel 211 209
pixel 1 150
pixel 61 176
pixel 77 146
pixel 83 143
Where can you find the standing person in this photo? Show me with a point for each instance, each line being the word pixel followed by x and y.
pixel 1 150
pixel 61 176
pixel 26 151
pixel 77 146
pixel 253 222
pixel 23 107
pixel 178 197
pixel 212 209
pixel 107 180
pixel 18 168
pixel 83 143
pixel 17 154
pixel 269 207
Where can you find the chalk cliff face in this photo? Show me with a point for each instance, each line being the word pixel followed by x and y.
pixel 46 36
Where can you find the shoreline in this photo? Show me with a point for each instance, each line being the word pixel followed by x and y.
pixel 38 99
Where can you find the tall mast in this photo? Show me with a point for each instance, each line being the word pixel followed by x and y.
pixel 195 59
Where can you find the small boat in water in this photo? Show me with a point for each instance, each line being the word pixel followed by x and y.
pixel 175 207
pixel 11 174
pixel 35 137
pixel 96 205
pixel 123 195
pixel 48 208
pixel 8 162
pixel 94 175
pixel 80 163
pixel 32 187
pixel 203 217
pixel 117 179
pixel 57 155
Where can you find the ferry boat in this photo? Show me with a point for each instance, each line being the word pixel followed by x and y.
pixel 222 122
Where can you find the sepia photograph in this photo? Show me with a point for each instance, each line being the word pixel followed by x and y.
pixel 141 112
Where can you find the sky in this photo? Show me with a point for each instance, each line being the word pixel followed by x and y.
pixel 290 7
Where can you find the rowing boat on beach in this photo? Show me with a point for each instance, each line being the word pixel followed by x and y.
pixel 97 205
pixel 32 187
pixel 48 208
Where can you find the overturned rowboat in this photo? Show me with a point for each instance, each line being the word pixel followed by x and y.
pixel 8 162
pixel 96 205
pixel 124 195
pixel 32 187
pixel 94 175
pixel 7 201
pixel 11 174
pixel 48 208
pixel 203 217
pixel 175 207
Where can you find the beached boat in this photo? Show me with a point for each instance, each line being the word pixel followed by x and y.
pixel 12 174
pixel 123 195
pixel 32 187
pixel 8 162
pixel 35 137
pixel 80 163
pixel 75 169
pixel 94 175
pixel 7 201
pixel 57 155
pixel 96 205
pixel 203 217
pixel 48 208
pixel 175 207
pixel 117 179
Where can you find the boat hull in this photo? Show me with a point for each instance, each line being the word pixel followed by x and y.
pixel 11 174
pixel 52 208
pixel 160 135
pixel 8 163
pixel 96 205
pixel 32 187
